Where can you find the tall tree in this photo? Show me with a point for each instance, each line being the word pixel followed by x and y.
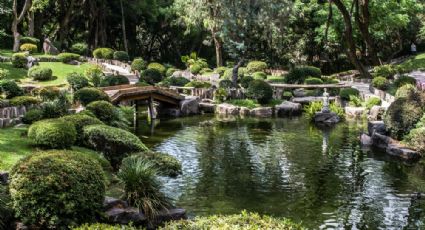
pixel 18 16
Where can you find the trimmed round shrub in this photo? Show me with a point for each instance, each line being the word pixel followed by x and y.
pixel 151 76
pixel 225 84
pixel 27 47
pixel 10 89
pixel 114 143
pixel 114 80
pixel 241 221
pixel 68 57
pixel 87 95
pixel 54 189
pixel 313 81
pixel 77 81
pixel 372 102
pixel 220 70
pixel 24 101
pixel 138 64
pixel 404 80
pixel 30 40
pixel 103 53
pixel 170 72
pixel 402 116
pixel 80 48
pixel 32 116
pixel 380 83
pixel 121 56
pixel 103 110
pixel 245 81
pixel 80 121
pixel 49 93
pixel 52 134
pixel 19 60
pixel 347 92
pixel 99 226
pixel 4 73
pixel 39 73
pixel 195 68
pixel 174 81
pixel 416 139
pixel 259 76
pixel 157 66
pixel 256 66
pixel 260 90
pixel 198 84
pixel 298 74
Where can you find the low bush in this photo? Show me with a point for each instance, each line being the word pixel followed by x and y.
pixel 87 95
pixel 298 74
pixel 243 221
pixel 121 56
pixel 220 70
pixel 198 84
pixel 54 189
pixel 52 134
pixel 372 102
pixel 402 116
pixel 248 103
pixel 259 76
pixel 4 73
pixel 19 60
pixel 174 81
pixel 386 71
pixel 195 68
pixel 138 64
pixel 151 76
pixel 80 121
pixel 256 66
pixel 56 108
pixel 170 72
pixel 317 106
pixel 99 226
pixel 49 93
pixel 32 116
pixel 94 75
pixel 103 110
pixel 27 47
pixel 380 83
pixel 313 81
pixel 142 187
pixel 347 92
pixel 68 57
pixel 24 101
pixel 404 80
pixel 114 143
pixel 220 95
pixel 39 73
pixel 416 139
pixel 245 81
pixel 103 53
pixel 80 48
pixel 260 90
pixel 30 40
pixel 225 84
pixel 157 66
pixel 114 80
pixel 10 89
pixel 77 81
pixel 355 101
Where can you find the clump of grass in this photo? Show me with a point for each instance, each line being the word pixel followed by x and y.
pixel 249 103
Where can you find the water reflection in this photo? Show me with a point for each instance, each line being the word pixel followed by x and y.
pixel 289 168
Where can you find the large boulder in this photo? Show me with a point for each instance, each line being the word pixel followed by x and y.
pixel 354 112
pixel 173 214
pixel 49 48
pixel 365 140
pixel 381 141
pixel 125 216
pixel 190 106
pixel 326 118
pixel 227 109
pixel 402 152
pixel 244 111
pixel 288 108
pixel 110 203
pixel 376 127
pixel 376 113
pixel 262 112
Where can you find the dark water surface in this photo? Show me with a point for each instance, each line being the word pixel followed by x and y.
pixel 288 168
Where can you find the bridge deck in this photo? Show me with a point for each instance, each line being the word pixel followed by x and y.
pixel 133 92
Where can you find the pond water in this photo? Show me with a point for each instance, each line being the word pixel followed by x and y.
pixel 288 168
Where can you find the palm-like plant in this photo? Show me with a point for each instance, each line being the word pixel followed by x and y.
pixel 142 187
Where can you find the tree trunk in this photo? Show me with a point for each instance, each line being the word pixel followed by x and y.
pixel 348 34
pixel 124 32
pixel 31 23
pixel 18 19
pixel 218 49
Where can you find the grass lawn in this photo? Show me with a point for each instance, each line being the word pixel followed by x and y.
pixel 415 63
pixel 9 53
pixel 14 73
pixel 13 146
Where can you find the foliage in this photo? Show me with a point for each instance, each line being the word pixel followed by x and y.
pixel 220 70
pixel 80 121
pixel 260 90
pixel 24 101
pixel 4 73
pixel 170 72
pixel 256 66
pixel 121 56
pixel 404 80
pixel 99 226
pixel 19 60
pixel 225 84
pixel 380 83
pixel 138 64
pixel 248 103
pixel 114 80
pixel 372 102
pixel 408 91
pixel 103 53
pixel 142 187
pixel 80 48
pixel 49 93
pixel 77 81
pixel 103 110
pixel 174 81
pixel 259 76
pixel 245 81
pixel 386 71
pixel 10 89
pixel 94 75
pixel 313 81
pixel 87 95
pixel 27 47
pixel 55 189
pixel 39 73
pixel 205 71
pixel 243 221
pixel 30 40
pixel 198 84
pixel 151 76
pixel 298 74
pixel 402 116
pixel 316 106
pixel 52 134
pixel 416 139
pixel 287 95
pixel 68 57
pixel 157 66
pixel 56 108
pixel 32 116
pixel 347 92
pixel 195 68
pixel 276 79
pixel 114 143
pixel 355 101
pixel 220 95
pixel 165 164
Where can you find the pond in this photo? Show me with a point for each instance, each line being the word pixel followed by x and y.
pixel 288 168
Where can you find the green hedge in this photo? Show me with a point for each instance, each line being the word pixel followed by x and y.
pixel 30 40
pixel 57 189
pixel 39 73
pixel 260 90
pixel 256 66
pixel 138 64
pixel 121 56
pixel 103 53
pixel 88 95
pixel 80 121
pixel 68 57
pixel 28 47
pixel 313 81
pixel 151 76
pixel 114 80
pixel 80 48
pixel 157 66
pixel 259 76
pixel 53 134
pixel 24 101
pixel 19 60
pixel 103 110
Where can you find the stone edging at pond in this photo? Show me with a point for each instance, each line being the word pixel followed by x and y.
pixel 285 109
